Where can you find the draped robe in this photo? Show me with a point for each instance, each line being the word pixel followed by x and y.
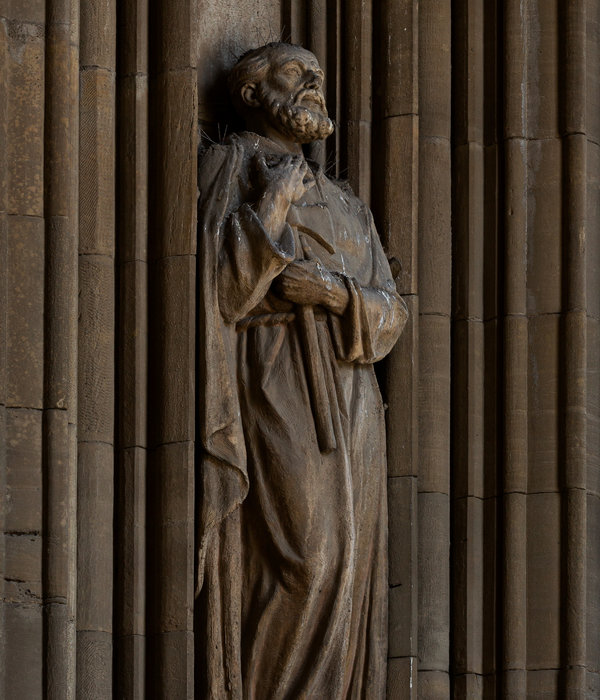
pixel 293 540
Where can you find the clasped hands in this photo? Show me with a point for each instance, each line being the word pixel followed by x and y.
pixel 284 181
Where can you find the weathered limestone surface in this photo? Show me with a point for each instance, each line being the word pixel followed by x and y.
pixel 473 129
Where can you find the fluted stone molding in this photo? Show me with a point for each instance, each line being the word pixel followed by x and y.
pixel 473 131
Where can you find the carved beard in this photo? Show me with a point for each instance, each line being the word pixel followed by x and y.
pixel 303 124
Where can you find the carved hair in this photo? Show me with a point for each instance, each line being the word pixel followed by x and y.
pixel 251 67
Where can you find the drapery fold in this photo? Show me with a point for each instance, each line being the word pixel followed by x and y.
pixel 472 129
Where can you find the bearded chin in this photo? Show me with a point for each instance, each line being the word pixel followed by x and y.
pixel 302 124
pixel 305 125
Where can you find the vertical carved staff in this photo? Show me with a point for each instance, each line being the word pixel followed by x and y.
pixel 314 371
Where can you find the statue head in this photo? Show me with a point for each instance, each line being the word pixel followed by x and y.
pixel 278 87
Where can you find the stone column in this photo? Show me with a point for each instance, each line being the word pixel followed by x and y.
pixel 473 129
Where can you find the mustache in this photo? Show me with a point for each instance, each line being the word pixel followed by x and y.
pixel 315 96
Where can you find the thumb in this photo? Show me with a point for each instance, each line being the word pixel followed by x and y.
pixel 261 163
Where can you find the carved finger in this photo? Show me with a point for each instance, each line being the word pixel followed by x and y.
pixel 261 161
pixel 293 275
pixel 309 182
pixel 262 167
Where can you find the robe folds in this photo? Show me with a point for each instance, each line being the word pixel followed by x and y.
pixel 292 571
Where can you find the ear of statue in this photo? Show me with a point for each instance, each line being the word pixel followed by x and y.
pixel 249 96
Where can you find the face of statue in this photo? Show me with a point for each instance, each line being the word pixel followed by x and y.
pixel 290 96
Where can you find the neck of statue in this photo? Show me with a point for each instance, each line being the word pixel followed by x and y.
pixel 284 141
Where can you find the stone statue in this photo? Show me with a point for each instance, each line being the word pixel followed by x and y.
pixel 298 302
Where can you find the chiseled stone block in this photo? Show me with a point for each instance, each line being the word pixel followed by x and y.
pixel 23 509
pixel 25 108
pixel 25 312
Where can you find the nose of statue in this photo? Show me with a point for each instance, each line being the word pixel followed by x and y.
pixel 313 81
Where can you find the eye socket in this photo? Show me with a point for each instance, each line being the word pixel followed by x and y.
pixel 293 71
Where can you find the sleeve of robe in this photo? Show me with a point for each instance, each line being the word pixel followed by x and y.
pixel 249 260
pixel 375 315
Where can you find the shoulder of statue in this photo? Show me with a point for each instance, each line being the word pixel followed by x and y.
pixel 340 183
pixel 236 147
pixel 216 151
pixel 221 159
pixel 344 188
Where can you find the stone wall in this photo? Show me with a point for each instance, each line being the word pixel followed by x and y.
pixel 474 131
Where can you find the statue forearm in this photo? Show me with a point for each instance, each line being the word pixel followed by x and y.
pixel 284 182
pixel 272 210
pixel 250 258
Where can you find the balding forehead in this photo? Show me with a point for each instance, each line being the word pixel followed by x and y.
pixel 282 54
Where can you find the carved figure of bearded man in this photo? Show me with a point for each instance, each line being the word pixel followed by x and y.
pixel 298 302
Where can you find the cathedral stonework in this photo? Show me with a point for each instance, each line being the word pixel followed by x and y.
pixel 299 349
